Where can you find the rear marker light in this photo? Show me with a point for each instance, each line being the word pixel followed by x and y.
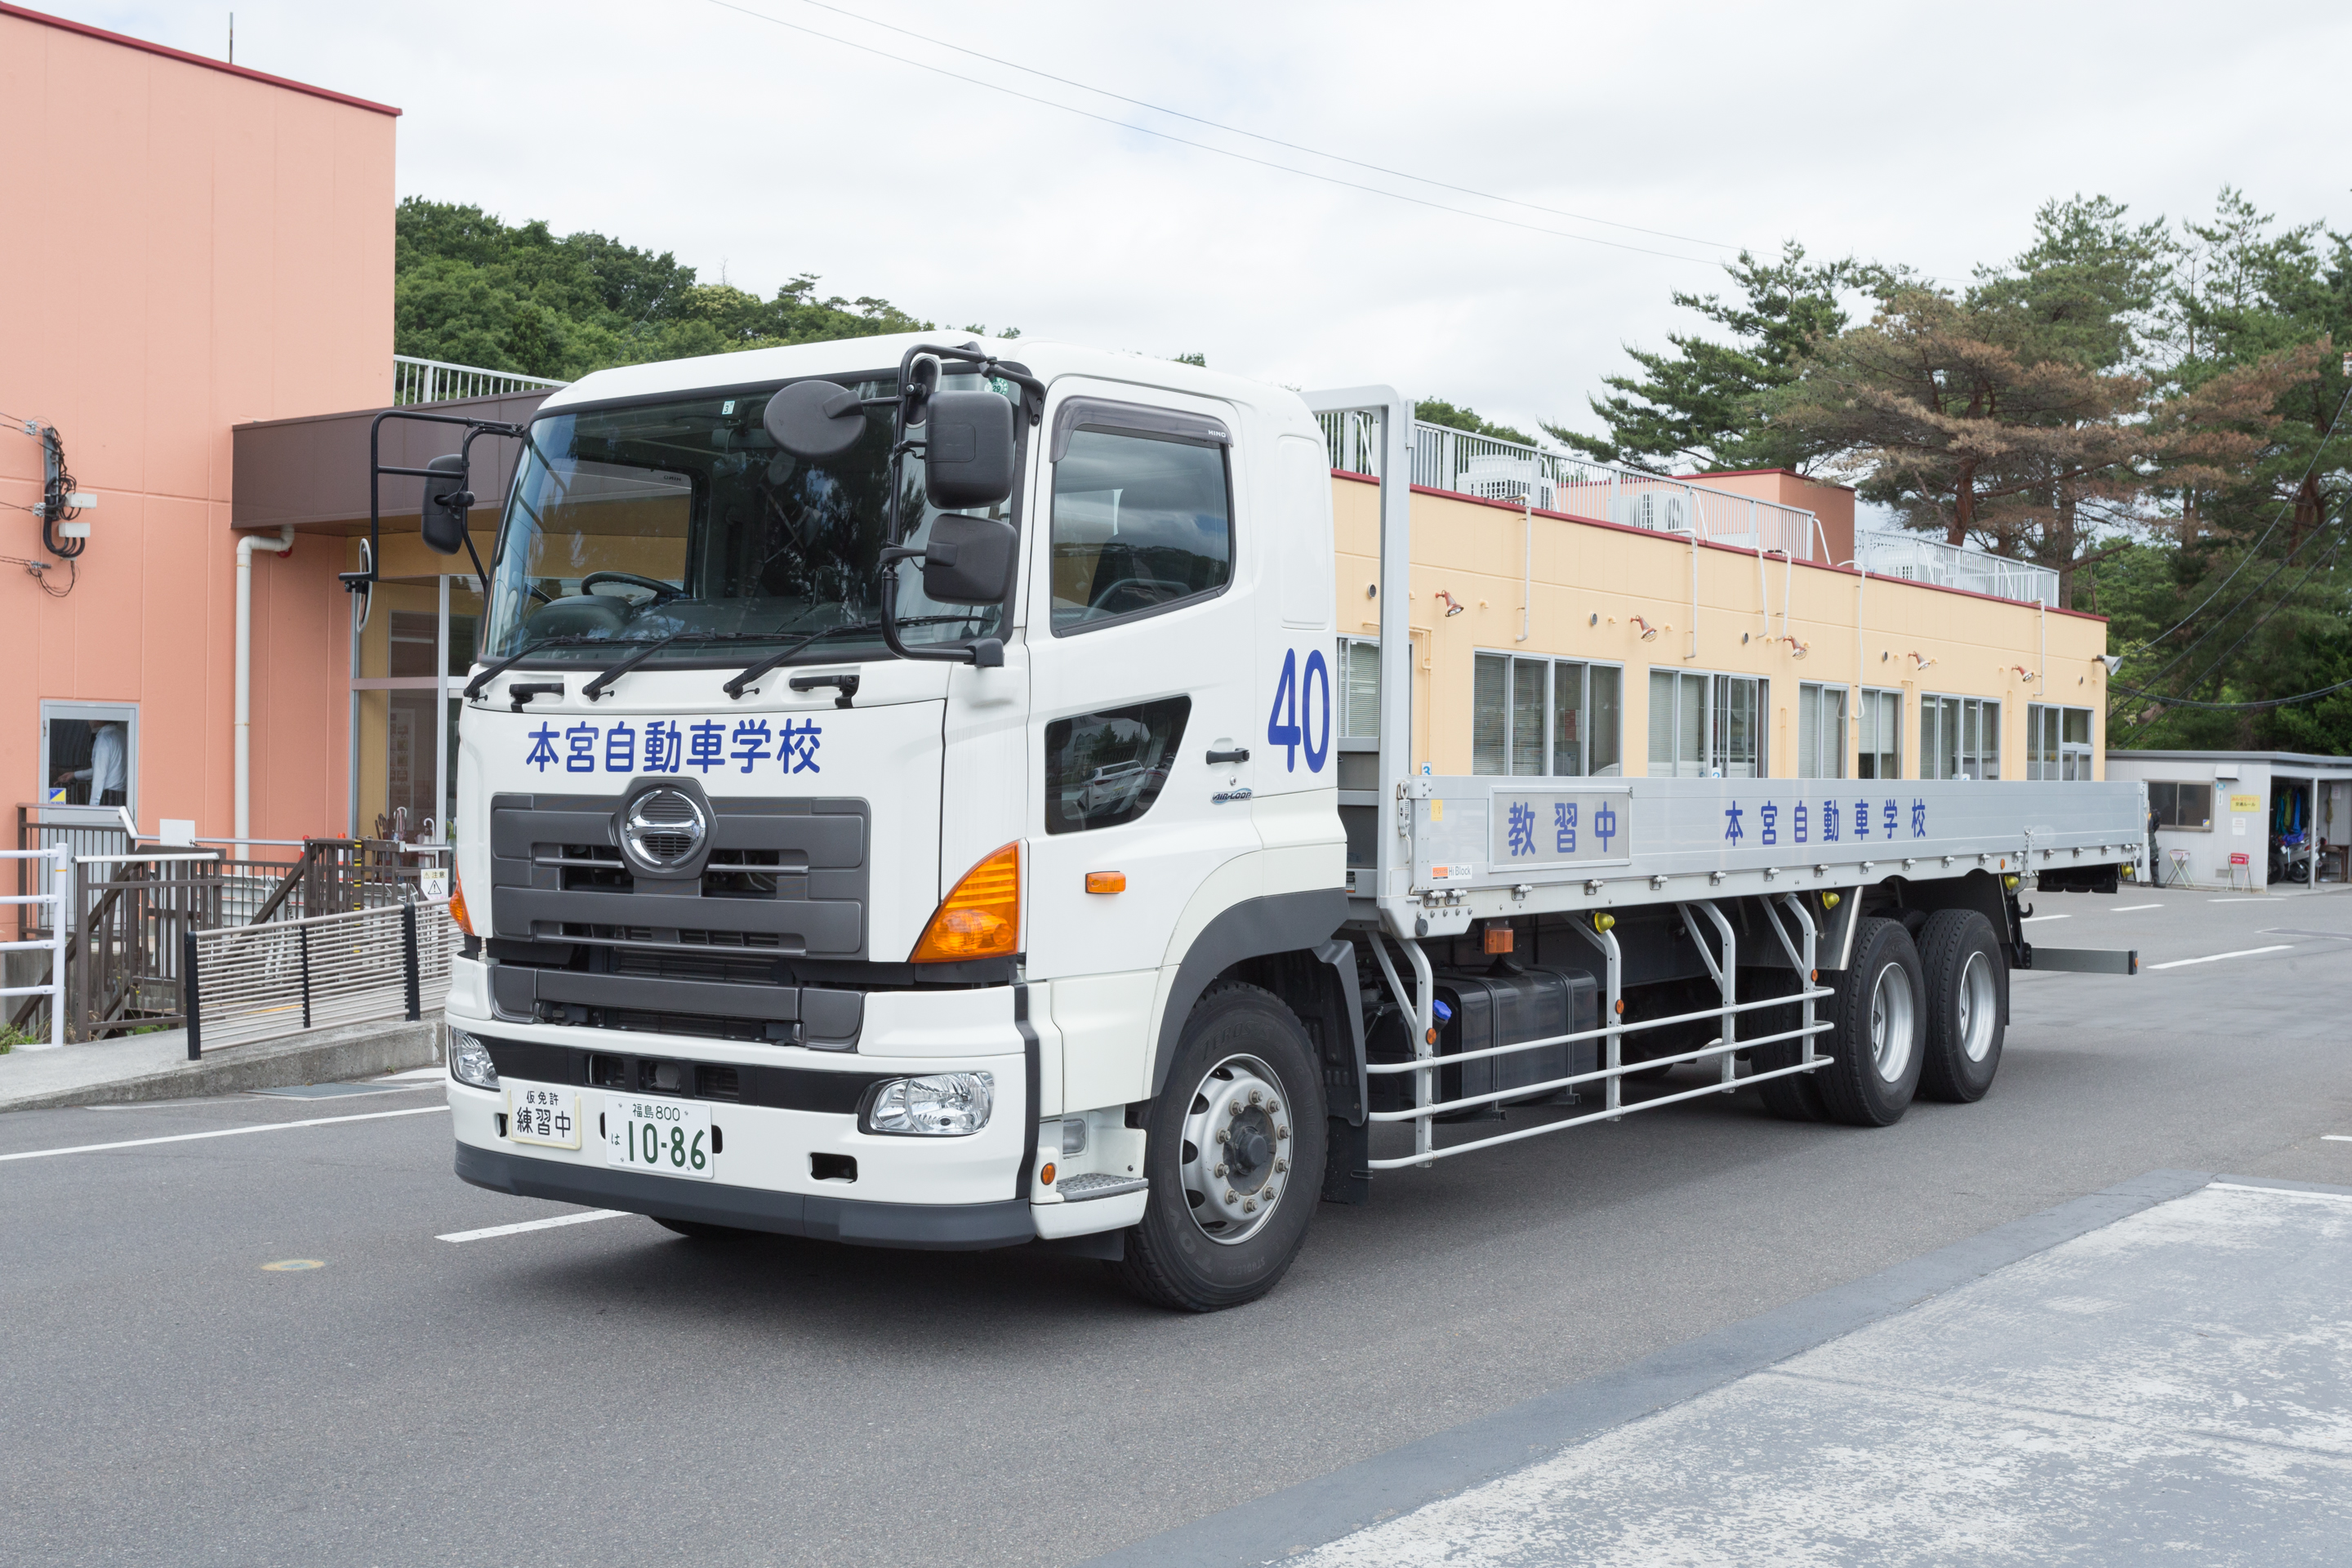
pixel 981 916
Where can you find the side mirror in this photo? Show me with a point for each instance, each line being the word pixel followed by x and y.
pixel 443 516
pixel 968 559
pixel 814 419
pixel 968 452
pixel 922 384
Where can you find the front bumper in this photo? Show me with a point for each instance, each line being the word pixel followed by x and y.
pixel 945 1227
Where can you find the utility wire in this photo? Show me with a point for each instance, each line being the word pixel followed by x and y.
pixel 1257 136
pixel 1211 147
pixel 2233 706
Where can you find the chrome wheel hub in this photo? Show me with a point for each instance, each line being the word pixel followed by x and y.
pixel 1891 1021
pixel 1238 1149
pixel 1978 1008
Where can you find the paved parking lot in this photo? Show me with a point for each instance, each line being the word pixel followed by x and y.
pixel 597 1390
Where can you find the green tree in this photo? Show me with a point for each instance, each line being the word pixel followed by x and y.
pixel 472 288
pixel 1437 411
pixel 1699 404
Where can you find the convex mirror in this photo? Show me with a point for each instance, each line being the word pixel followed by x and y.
pixel 815 418
pixel 442 517
pixel 968 559
pixel 967 450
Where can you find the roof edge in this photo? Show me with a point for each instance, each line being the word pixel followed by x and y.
pixel 44 19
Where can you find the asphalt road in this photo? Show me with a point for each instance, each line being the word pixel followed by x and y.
pixel 610 1392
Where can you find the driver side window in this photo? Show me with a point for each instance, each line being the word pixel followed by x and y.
pixel 1142 522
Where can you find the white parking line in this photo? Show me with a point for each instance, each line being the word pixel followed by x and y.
pixel 2127 909
pixel 2336 1138
pixel 2263 899
pixel 2028 919
pixel 224 1132
pixel 489 1231
pixel 2217 957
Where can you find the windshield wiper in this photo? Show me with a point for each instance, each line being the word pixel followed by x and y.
pixel 570 639
pixel 734 687
pixel 596 688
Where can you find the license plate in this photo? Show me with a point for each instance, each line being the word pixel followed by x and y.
pixel 670 1136
pixel 538 1115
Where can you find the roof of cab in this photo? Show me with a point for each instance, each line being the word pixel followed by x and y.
pixel 1044 359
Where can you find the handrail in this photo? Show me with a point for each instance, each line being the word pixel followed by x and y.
pixel 416 379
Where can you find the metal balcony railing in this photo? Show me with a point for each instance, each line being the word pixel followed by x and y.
pixel 1448 460
pixel 417 380
pixel 1917 560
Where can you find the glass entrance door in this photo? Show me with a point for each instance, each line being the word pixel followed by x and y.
pixel 409 664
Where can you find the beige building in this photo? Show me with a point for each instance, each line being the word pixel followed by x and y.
pixel 1549 641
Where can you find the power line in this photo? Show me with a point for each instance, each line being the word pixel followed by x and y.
pixel 1258 136
pixel 1210 147
pixel 2233 706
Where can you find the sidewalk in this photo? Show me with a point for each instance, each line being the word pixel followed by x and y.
pixel 156 1067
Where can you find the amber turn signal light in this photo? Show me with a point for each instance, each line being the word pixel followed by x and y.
pixel 981 916
pixel 1498 939
pixel 457 903
pixel 1106 881
pixel 1047 1175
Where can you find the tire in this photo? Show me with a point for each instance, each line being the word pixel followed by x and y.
pixel 1796 1098
pixel 1967 980
pixel 1880 1035
pixel 1209 1238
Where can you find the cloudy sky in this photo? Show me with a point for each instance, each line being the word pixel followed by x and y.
pixel 757 150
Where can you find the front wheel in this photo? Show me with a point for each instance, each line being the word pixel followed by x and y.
pixel 1235 1153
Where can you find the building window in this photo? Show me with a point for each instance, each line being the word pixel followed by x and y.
pixel 1880 753
pixel 1959 738
pixel 89 755
pixel 2183 808
pixel 1705 726
pixel 2057 742
pixel 1820 731
pixel 1359 689
pixel 1544 717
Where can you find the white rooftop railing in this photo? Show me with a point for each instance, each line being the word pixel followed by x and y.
pixel 1915 559
pixel 417 380
pixel 1444 458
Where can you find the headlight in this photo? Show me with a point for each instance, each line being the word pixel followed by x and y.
pixel 941 1105
pixel 470 1060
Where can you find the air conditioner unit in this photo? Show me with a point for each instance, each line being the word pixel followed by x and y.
pixel 1660 510
pixel 1515 479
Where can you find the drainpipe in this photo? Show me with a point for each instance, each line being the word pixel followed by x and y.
pixel 246 545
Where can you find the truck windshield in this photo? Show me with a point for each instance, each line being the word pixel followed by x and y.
pixel 627 525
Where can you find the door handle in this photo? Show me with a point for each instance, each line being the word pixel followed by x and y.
pixel 1240 755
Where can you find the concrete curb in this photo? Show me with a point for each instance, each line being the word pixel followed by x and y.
pixel 1317 1512
pixel 320 1056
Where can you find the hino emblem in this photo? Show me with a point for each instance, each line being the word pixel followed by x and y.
pixel 663 828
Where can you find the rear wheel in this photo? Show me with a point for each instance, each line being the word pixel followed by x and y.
pixel 1962 960
pixel 1880 1037
pixel 1235 1155
pixel 1796 1098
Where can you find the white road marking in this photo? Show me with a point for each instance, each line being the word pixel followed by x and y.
pixel 223 1132
pixel 2336 1138
pixel 2217 957
pixel 489 1231
pixel 2264 898
pixel 2127 909
pixel 2028 919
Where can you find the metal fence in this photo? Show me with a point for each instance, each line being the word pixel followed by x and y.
pixel 49 869
pixel 417 380
pixel 257 982
pixel 1917 560
pixel 1444 458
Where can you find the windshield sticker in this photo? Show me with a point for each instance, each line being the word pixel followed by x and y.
pixel 661 746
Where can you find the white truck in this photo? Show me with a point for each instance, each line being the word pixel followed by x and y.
pixel 898 803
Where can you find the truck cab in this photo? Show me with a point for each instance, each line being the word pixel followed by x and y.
pixel 891 763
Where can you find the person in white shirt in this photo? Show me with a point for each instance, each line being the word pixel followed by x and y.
pixel 107 774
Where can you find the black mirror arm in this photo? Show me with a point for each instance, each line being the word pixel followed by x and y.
pixel 988 653
pixel 359 581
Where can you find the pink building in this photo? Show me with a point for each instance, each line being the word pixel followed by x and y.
pixel 213 247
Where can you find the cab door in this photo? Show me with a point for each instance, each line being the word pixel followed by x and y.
pixel 1142 647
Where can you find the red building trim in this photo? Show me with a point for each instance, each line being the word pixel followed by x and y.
pixel 129 42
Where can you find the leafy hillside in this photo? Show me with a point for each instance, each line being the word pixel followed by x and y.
pixel 472 289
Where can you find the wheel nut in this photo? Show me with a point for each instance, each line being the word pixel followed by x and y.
pixel 1252 1097
pixel 1223 1136
pixel 1279 1167
pixel 1281 1132
pixel 1273 1108
pixel 1218 1172
pixel 1232 1196
pixel 1250 1207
